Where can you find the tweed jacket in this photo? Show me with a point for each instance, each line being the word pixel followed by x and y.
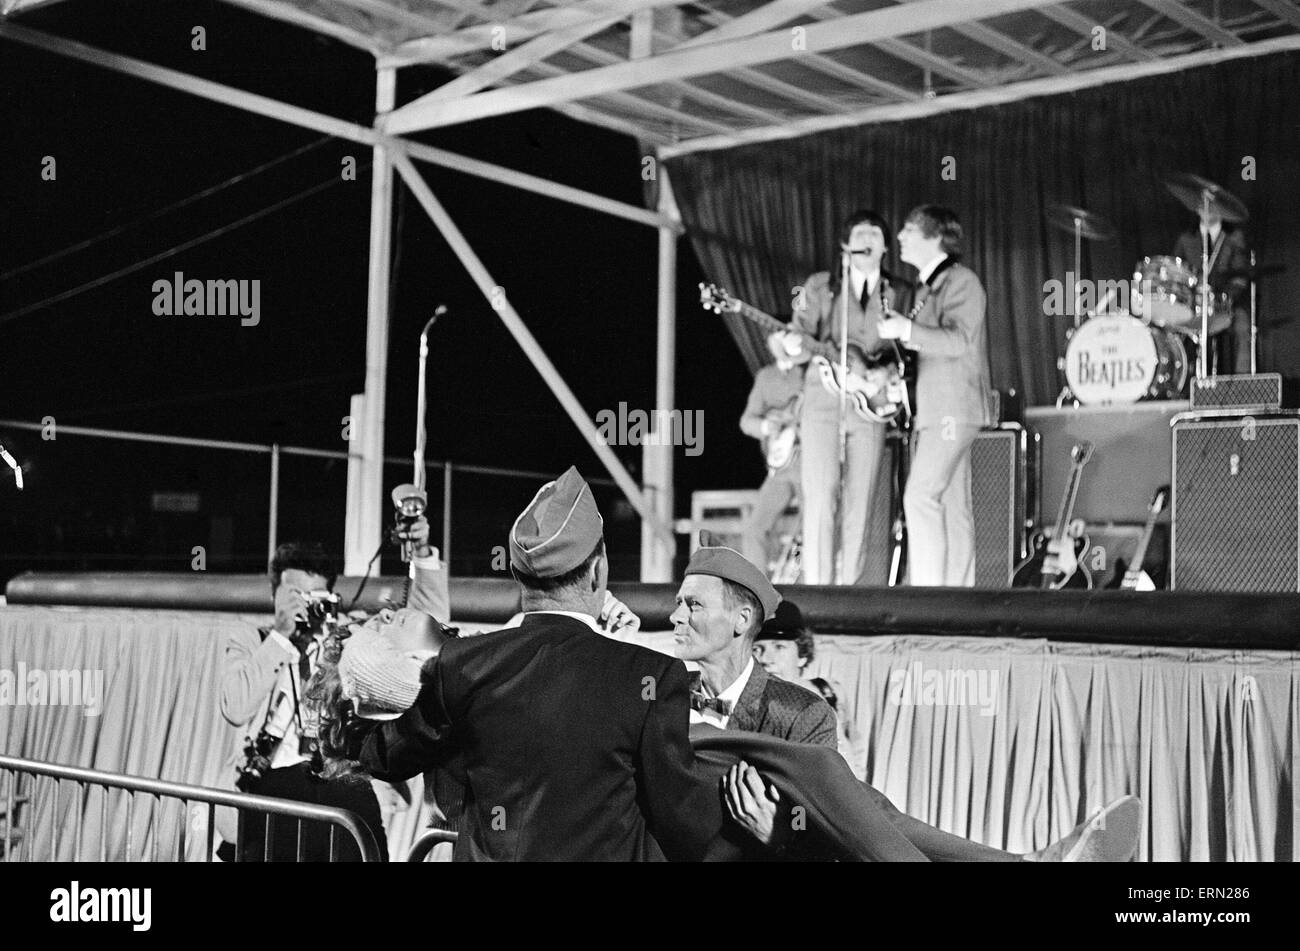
pixel 779 708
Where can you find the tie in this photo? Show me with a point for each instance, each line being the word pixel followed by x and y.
pixel 865 298
pixel 700 701
pixel 303 643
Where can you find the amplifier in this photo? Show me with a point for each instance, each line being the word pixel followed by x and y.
pixel 1245 391
pixel 1236 502
pixel 1004 498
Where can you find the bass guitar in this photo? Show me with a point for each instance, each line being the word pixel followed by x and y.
pixel 1054 562
pixel 876 386
pixel 1132 577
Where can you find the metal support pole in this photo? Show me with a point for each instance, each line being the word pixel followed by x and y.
pixel 274 520
pixel 446 515
pixel 365 513
pixel 532 349
pixel 657 459
pixel 1254 320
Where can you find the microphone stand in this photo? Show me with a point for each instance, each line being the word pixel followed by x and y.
pixel 1203 356
pixel 838 568
pixel 1254 327
pixel 422 399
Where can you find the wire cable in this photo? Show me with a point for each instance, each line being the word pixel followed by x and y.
pixel 177 249
pixel 197 196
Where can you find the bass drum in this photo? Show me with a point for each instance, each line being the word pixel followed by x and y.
pixel 1120 359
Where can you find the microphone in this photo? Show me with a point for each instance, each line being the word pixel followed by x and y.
pixel 13 464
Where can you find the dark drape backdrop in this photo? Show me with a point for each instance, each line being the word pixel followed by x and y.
pixel 763 217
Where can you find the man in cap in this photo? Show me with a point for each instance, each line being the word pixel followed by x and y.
pixel 572 745
pixel 722 605
pixel 723 601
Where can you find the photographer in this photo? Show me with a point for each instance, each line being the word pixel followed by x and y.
pixel 262 693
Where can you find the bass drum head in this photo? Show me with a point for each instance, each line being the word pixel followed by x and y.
pixel 1120 359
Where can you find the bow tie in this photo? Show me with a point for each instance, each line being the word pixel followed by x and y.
pixel 700 701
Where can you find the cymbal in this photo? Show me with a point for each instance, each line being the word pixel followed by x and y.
pixel 1190 190
pixel 1256 272
pixel 1090 224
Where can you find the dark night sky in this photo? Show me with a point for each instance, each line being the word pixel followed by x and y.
pixel 584 282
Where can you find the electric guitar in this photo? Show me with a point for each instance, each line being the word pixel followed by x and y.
pixel 1054 562
pixel 875 386
pixel 780 446
pixel 1133 578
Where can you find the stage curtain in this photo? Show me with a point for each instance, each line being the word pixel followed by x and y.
pixel 763 217
pixel 1208 739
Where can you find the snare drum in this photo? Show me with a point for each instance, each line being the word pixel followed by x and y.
pixel 1123 360
pixel 1164 292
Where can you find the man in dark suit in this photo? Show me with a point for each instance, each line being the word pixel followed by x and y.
pixel 953 398
pixel 572 746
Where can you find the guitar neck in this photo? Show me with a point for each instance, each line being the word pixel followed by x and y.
pixel 1067 503
pixel 772 325
pixel 1140 554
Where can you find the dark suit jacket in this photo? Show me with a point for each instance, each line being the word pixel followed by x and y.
pixel 778 708
pixel 573 746
pixel 951 339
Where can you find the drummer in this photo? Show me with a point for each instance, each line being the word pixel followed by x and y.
pixel 1228 256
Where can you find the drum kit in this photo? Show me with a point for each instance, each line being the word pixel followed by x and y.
pixel 1145 351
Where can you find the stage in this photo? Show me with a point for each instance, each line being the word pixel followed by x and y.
pixel 1004 717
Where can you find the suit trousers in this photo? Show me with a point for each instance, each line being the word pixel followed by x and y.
pixel 937 502
pixel 819 435
pixel 773 499
pixel 1230 349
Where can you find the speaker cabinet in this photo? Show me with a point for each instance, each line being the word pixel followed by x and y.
pixel 1004 496
pixel 1244 391
pixel 1236 502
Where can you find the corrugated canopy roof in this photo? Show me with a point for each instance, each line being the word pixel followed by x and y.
pixel 684 76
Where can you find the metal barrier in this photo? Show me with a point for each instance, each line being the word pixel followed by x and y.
pixel 87 780
pixel 429 838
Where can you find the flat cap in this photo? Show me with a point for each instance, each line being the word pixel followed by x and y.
pixel 558 530
pixel 731 565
